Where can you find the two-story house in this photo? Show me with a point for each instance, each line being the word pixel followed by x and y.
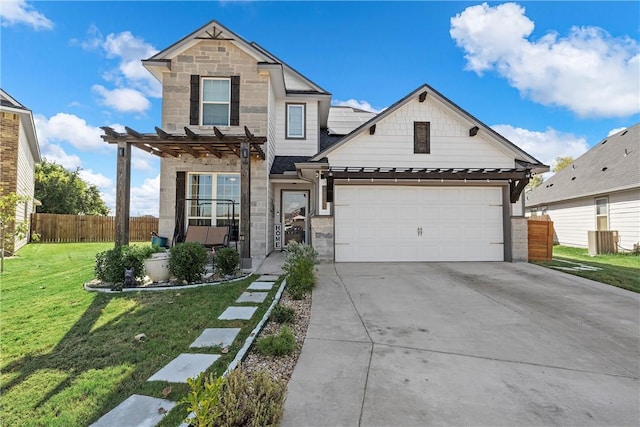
pixel 422 181
pixel 19 153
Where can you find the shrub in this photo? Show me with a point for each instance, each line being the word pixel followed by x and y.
pixel 188 261
pixel 237 400
pixel 278 345
pixel 299 268
pixel 283 314
pixel 110 265
pixel 226 260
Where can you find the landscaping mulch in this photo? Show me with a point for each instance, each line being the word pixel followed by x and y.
pixel 281 367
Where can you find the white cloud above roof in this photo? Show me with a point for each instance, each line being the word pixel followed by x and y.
pixel 586 71
pixel 544 146
pixel 15 12
pixel 125 100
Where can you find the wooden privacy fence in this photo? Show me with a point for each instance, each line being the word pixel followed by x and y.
pixel 540 233
pixel 54 228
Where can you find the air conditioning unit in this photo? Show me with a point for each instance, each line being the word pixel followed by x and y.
pixel 603 242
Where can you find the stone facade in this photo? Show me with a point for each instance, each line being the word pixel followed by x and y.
pixel 519 239
pixel 215 58
pixel 322 237
pixel 9 139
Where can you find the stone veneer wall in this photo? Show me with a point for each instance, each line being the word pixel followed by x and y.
pixel 519 239
pixel 9 137
pixel 322 237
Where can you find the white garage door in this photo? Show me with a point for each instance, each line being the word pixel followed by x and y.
pixel 393 223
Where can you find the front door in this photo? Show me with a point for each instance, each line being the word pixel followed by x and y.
pixel 295 208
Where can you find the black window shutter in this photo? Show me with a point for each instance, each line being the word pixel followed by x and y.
pixel 181 187
pixel 235 101
pixel 422 137
pixel 194 106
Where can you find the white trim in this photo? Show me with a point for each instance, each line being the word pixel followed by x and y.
pixel 303 126
pixel 203 102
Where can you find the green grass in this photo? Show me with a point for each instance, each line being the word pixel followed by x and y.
pixel 621 270
pixel 69 356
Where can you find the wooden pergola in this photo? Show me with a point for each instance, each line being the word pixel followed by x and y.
pixel 187 145
pixel 517 178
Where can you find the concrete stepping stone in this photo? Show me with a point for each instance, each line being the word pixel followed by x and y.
pixel 184 366
pixel 252 297
pixel 216 337
pixel 237 313
pixel 136 411
pixel 268 278
pixel 260 286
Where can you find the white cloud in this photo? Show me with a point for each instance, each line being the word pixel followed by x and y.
pixel 588 71
pixel 544 146
pixel 56 154
pixel 19 12
pixel 616 130
pixel 145 198
pixel 143 161
pixel 64 127
pixel 362 104
pixel 125 100
pixel 97 179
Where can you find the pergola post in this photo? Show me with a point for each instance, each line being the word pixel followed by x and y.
pixel 245 204
pixel 123 190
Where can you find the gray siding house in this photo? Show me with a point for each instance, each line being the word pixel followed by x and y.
pixel 600 190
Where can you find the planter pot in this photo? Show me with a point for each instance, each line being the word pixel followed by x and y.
pixel 157 267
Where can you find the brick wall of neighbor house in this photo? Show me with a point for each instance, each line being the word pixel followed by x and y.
pixel 215 58
pixel 322 237
pixel 9 135
pixel 519 239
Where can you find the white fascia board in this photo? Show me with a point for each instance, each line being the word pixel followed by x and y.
pixel 29 126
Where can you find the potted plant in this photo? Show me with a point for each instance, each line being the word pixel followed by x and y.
pixel 156 264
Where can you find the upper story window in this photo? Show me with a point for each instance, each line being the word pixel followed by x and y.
pixel 422 137
pixel 295 121
pixel 216 101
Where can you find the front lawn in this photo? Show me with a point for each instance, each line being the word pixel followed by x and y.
pixel 69 356
pixel 621 270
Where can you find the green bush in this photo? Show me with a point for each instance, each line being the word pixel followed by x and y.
pixel 226 260
pixel 188 261
pixel 235 401
pixel 278 345
pixel 110 265
pixel 299 268
pixel 283 314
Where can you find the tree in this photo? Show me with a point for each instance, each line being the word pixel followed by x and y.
pixel 560 163
pixel 535 181
pixel 9 227
pixel 64 192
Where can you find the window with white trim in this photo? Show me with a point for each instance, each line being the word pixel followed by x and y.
pixel 216 101
pixel 209 196
pixel 295 121
pixel 602 214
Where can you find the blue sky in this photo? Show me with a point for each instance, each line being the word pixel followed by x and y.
pixel 553 77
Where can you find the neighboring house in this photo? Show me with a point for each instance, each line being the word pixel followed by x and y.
pixel 422 181
pixel 600 190
pixel 19 153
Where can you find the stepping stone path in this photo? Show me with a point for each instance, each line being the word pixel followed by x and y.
pixel 145 411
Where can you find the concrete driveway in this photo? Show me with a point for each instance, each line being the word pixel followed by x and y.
pixel 473 344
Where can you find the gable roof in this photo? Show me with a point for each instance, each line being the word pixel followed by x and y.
pixel 9 103
pixel 611 165
pixel 426 90
pixel 213 30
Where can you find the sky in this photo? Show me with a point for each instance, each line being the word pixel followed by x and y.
pixel 555 78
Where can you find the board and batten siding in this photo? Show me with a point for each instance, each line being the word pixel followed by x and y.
pixel 25 183
pixel 297 147
pixel 624 216
pixel 573 219
pixel 392 143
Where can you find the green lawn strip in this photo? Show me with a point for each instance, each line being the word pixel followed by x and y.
pixel 69 356
pixel 621 270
